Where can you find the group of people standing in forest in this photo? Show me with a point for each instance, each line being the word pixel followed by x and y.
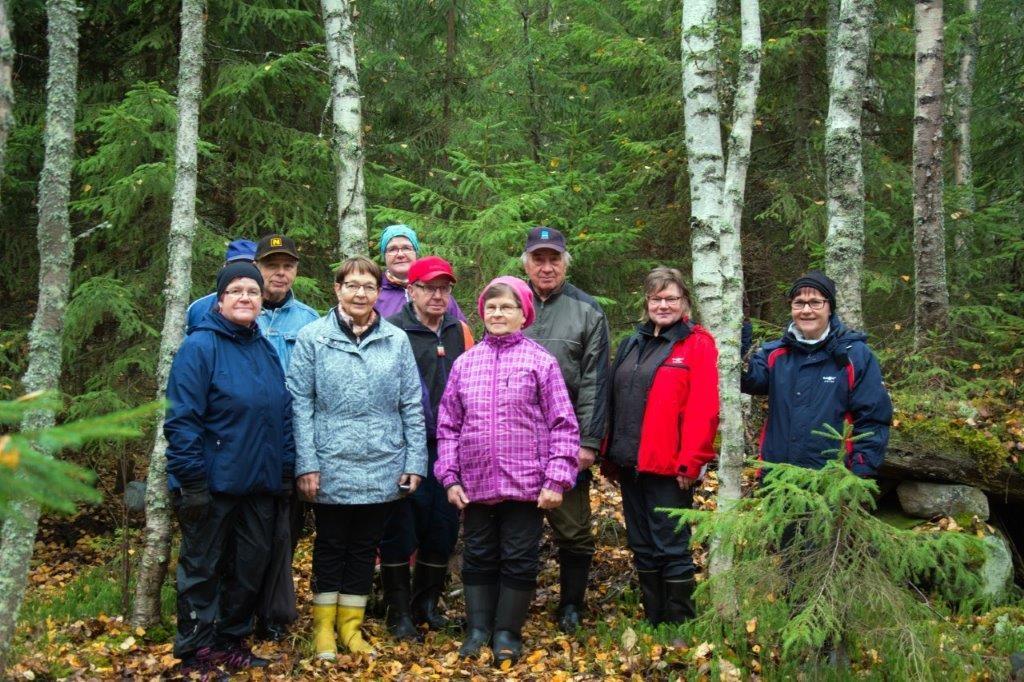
pixel 397 427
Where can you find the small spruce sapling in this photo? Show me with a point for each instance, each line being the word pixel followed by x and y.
pixel 812 567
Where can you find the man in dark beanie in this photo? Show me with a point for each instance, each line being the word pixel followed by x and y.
pixel 819 373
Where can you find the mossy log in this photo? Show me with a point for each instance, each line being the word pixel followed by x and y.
pixel 933 450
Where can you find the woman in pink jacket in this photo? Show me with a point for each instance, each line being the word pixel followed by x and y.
pixel 508 445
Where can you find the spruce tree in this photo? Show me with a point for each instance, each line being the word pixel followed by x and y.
pixel 816 572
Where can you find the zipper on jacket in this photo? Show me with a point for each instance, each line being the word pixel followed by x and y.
pixel 494 395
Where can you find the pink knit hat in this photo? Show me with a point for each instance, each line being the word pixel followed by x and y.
pixel 522 290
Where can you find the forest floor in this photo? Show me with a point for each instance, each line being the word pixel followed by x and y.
pixel 70 627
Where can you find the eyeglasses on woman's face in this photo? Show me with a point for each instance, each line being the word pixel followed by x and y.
pixel 404 248
pixel 503 310
pixel 353 288
pixel 243 293
pixel 812 303
pixel 670 301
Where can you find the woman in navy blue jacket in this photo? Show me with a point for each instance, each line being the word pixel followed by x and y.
pixel 230 450
pixel 818 373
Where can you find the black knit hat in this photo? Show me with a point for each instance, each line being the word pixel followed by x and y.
pixel 816 279
pixel 233 271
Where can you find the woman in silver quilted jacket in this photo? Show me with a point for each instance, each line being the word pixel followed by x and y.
pixel 360 445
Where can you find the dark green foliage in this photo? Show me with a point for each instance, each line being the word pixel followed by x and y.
pixel 815 569
pixel 27 469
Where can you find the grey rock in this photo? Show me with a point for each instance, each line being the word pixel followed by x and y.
pixel 997 571
pixel 928 500
pixel 135 496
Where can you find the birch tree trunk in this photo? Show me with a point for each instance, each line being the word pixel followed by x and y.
pixel 932 295
pixel 55 245
pixel 964 166
pixel 347 127
pixel 716 197
pixel 748 80
pixel 6 90
pixel 156 552
pixel 844 169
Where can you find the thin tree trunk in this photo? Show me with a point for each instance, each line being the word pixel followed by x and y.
pixel 347 127
pixel 716 196
pixel 844 154
pixel 533 101
pixel 964 167
pixel 55 258
pixel 156 553
pixel 932 294
pixel 6 90
pixel 748 80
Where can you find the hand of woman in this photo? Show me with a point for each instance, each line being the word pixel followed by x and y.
pixel 457 496
pixel 549 499
pixel 309 485
pixel 685 483
pixel 411 480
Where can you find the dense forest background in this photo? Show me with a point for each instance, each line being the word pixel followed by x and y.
pixel 483 119
pixel 480 120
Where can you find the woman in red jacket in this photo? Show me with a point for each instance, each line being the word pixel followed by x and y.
pixel 664 415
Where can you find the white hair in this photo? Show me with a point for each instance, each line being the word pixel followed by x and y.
pixel 566 256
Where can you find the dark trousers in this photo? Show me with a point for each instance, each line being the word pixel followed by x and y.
pixel 345 547
pixel 652 535
pixel 220 569
pixel 501 543
pixel 570 522
pixel 423 521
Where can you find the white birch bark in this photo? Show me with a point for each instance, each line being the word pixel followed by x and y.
pixel 177 286
pixel 964 166
pixel 6 90
pixel 716 196
pixel 932 294
pixel 844 169
pixel 55 258
pixel 347 127
pixel 727 332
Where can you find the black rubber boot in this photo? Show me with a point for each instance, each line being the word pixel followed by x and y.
pixel 651 595
pixel 427 585
pixel 481 604
pixel 574 570
pixel 678 605
pixel 513 607
pixel 395 580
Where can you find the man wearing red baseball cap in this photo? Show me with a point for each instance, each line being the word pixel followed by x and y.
pixel 424 522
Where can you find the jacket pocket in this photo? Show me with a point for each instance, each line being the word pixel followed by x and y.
pixel 521 388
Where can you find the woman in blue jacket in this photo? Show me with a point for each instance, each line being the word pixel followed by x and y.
pixel 360 446
pixel 230 450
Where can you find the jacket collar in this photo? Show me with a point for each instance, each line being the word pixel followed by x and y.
pixel 506 341
pixel 410 322
pixel 838 333
pixel 215 322
pixel 673 333
pixel 288 299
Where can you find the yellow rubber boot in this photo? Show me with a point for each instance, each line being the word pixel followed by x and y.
pixel 351 608
pixel 325 611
